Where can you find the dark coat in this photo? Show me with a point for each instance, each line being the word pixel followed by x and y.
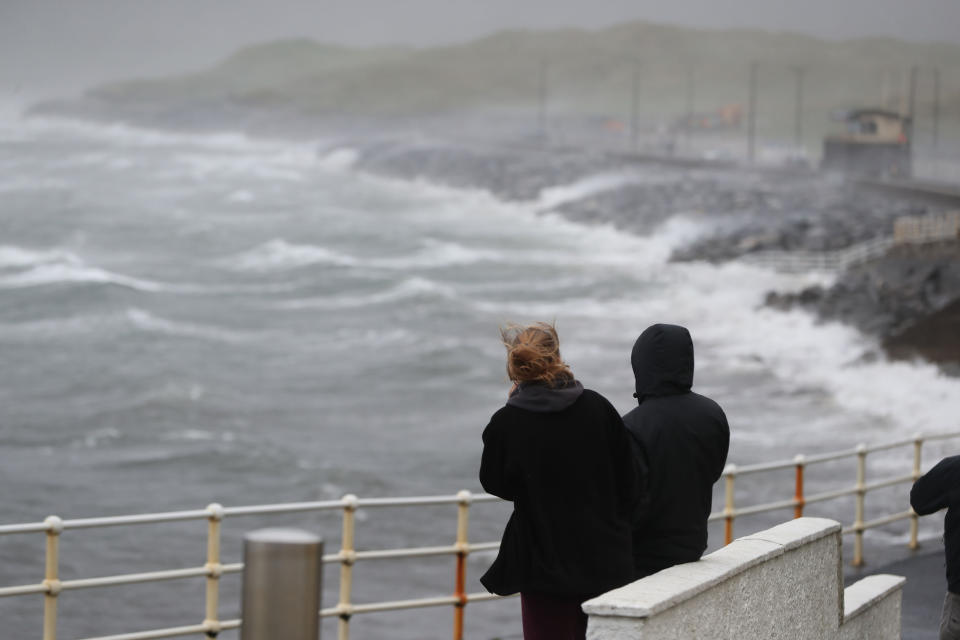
pixel 573 483
pixel 939 488
pixel 682 439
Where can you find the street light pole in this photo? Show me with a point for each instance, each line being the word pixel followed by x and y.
pixel 635 110
pixel 752 114
pixel 798 108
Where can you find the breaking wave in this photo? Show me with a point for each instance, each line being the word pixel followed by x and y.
pixel 11 256
pixel 552 197
pixel 279 255
pixel 339 159
pixel 148 322
pixel 69 273
pixel 408 289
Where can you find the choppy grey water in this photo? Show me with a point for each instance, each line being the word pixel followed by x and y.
pixel 189 319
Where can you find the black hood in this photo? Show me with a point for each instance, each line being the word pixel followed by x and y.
pixel 662 361
pixel 543 398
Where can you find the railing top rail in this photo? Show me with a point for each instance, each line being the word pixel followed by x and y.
pixel 798 459
pixel 143 518
pixel 221 512
pixel 283 507
pixel 835 455
pixel 829 457
pixel 893 445
pixel 218 512
pixel 31 527
pixel 942 436
pixel 423 500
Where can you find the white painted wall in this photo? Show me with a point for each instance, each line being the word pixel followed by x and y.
pixel 785 582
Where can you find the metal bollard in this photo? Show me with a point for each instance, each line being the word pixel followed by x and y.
pixel 282 578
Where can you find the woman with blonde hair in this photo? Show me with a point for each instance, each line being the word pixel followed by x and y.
pixel 561 454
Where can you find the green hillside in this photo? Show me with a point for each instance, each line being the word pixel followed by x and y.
pixel 587 72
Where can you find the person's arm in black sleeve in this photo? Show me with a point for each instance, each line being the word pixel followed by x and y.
pixel 724 447
pixel 938 488
pixel 631 472
pixel 641 506
pixel 494 474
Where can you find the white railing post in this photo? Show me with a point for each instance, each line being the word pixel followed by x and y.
pixel 51 579
pixel 460 586
pixel 861 496
pixel 728 509
pixel 914 519
pixel 211 620
pixel 348 556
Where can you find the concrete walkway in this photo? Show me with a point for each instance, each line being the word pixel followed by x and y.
pixel 922 594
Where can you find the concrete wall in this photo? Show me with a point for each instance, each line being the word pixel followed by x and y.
pixel 785 582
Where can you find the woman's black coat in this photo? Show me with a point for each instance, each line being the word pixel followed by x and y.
pixel 573 482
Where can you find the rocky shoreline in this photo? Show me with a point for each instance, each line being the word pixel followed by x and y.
pixel 908 298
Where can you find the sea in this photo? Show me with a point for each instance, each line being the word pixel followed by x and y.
pixel 193 318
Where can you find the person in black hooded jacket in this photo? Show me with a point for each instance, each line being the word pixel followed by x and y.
pixel 938 489
pixel 560 453
pixel 681 438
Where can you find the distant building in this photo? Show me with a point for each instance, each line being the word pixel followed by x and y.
pixel 876 143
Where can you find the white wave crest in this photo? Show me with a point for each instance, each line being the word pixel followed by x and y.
pixel 279 255
pixel 56 329
pixel 198 435
pixel 436 253
pixel 95 438
pixel 146 321
pixel 410 288
pixel 11 256
pixel 27 268
pixel 58 273
pixel 340 159
pixel 128 135
pixel 555 196
pixel 204 165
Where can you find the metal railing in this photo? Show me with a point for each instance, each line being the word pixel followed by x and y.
pixel 51 587
pixel 921 229
pixel 830 261
pixel 906 230
pixel 859 489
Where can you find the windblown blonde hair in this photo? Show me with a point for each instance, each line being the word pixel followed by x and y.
pixel 533 353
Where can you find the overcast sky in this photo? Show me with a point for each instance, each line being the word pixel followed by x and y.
pixel 63 45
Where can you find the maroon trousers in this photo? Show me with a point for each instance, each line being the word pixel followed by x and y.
pixel 550 617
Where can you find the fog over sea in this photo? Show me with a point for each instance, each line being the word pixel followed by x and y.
pixel 195 318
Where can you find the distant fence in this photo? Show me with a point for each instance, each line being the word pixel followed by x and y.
pixel 52 587
pixel 830 261
pixel 919 229
pixel 906 230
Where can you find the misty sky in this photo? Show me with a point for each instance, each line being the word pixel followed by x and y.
pixel 64 45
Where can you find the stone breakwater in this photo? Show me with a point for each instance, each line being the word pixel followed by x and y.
pixel 908 298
